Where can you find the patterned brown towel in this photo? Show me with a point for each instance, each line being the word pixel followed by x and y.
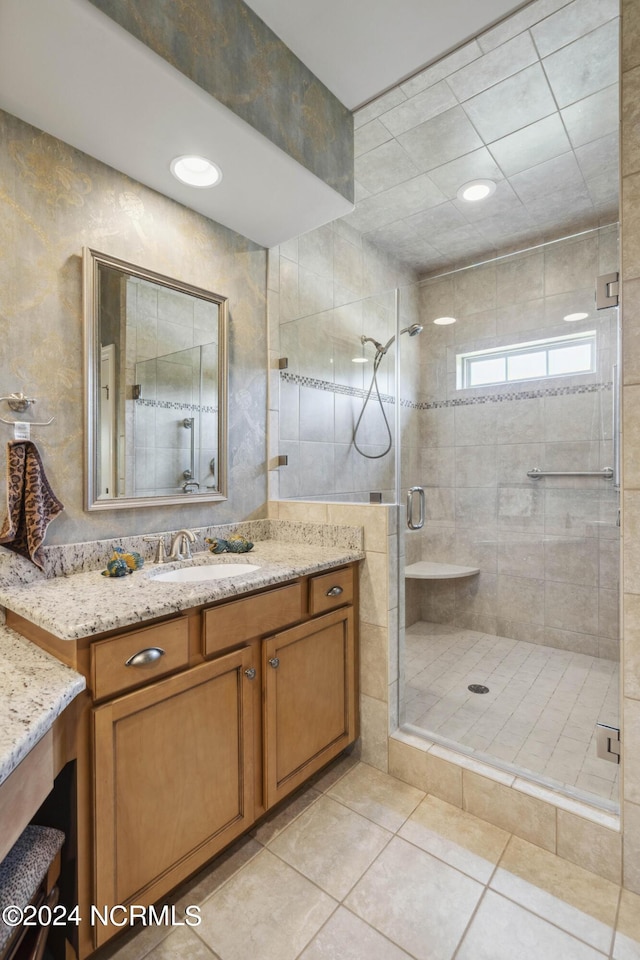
pixel 31 503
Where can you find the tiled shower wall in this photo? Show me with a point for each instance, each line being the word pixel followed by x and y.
pixel 326 289
pixel 548 549
pixel 166 330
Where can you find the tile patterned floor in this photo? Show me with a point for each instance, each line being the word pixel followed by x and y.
pixel 360 866
pixel 539 715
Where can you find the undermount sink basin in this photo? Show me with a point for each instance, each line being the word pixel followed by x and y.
pixel 213 572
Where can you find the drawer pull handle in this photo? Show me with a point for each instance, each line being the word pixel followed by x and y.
pixel 274 662
pixel 144 657
pixel 334 591
pixel 250 673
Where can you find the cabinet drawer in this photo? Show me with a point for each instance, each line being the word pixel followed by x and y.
pixel 110 672
pixel 330 590
pixel 242 620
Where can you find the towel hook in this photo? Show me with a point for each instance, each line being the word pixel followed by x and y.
pixel 18 402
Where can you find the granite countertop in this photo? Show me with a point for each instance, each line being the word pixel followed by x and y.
pixel 86 604
pixel 34 690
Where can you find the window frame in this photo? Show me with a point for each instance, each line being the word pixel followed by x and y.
pixel 465 361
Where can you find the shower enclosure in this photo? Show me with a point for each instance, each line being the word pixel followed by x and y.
pixel 511 635
pixel 492 430
pixel 508 635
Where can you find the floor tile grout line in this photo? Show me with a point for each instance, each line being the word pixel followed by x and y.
pixel 552 923
pixel 316 884
pixel 318 932
pixel 474 913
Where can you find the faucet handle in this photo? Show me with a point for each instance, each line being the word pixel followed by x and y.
pixel 161 550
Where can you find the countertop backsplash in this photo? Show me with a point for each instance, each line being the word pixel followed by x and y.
pixel 67 559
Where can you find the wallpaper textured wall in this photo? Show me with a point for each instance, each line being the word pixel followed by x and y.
pixel 55 200
pixel 224 47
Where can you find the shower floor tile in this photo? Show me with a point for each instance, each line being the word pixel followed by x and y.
pixel 539 715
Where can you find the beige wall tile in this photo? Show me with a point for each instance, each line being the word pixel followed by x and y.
pixel 631 229
pixel 631 323
pixel 444 778
pixel 631 847
pixel 630 103
pixel 631 735
pixel 408 762
pixel 632 645
pixel 590 845
pixel 373 520
pixel 374 596
pixel 374 732
pixel 373 661
pixel 631 541
pixel 631 433
pixel 630 53
pixel 303 510
pixel 527 817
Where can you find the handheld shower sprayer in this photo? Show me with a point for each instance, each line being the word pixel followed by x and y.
pixel 381 351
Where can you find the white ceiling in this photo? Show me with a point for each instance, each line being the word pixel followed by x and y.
pixel 358 48
pixel 532 105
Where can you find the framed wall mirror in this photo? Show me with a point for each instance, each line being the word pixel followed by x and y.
pixel 156 388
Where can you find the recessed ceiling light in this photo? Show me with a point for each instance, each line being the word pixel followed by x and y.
pixel 359 360
pixel 444 321
pixel 196 171
pixel 476 190
pixel 572 317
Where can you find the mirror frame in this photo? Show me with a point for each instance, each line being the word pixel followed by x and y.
pixel 92 261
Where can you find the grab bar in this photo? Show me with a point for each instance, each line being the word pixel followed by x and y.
pixel 189 424
pixel 410 492
pixel 606 473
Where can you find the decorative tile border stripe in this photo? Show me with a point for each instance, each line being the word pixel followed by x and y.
pixel 175 405
pixel 340 388
pixel 344 390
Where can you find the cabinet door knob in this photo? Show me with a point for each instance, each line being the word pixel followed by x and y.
pixel 250 673
pixel 334 591
pixel 274 662
pixel 144 657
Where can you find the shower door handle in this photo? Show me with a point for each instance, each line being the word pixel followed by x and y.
pixel 419 524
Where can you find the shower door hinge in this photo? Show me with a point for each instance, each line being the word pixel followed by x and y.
pixel 607 290
pixel 608 742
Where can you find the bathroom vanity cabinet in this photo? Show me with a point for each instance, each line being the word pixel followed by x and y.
pixel 181 751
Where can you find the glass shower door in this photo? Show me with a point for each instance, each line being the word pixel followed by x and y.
pixel 509 628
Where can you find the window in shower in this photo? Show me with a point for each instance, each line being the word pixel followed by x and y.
pixel 555 357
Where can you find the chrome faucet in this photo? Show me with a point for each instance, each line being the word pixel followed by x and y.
pixel 180 545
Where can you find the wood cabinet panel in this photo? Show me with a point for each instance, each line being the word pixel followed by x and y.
pixel 330 590
pixel 112 674
pixel 174 778
pixel 310 703
pixel 24 790
pixel 242 620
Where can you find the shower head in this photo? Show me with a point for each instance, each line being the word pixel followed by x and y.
pixel 413 330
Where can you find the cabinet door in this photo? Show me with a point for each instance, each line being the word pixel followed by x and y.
pixel 309 699
pixel 173 779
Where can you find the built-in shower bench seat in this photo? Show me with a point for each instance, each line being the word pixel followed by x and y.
pixel 428 570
